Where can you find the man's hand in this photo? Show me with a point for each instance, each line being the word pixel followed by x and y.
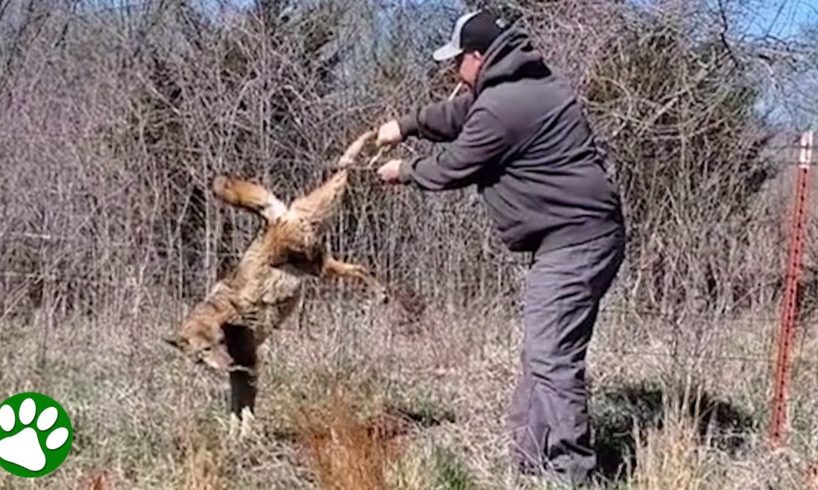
pixel 389 134
pixel 390 171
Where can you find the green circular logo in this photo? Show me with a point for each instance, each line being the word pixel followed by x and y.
pixel 35 435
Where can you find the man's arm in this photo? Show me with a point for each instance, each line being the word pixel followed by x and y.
pixel 438 122
pixel 480 144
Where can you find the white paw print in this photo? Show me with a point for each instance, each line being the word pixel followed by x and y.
pixel 24 448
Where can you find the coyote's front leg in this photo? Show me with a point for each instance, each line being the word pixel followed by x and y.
pixel 339 269
pixel 241 344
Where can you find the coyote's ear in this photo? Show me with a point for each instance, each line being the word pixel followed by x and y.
pixel 174 341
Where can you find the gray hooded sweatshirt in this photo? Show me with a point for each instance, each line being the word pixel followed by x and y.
pixel 522 139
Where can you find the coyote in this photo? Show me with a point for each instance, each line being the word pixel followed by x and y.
pixel 224 330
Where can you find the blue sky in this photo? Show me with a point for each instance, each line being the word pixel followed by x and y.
pixel 780 18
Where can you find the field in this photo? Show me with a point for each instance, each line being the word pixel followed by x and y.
pixel 353 401
pixel 114 119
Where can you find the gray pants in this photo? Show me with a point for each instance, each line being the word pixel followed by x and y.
pixel 549 419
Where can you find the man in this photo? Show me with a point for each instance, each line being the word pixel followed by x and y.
pixel 520 136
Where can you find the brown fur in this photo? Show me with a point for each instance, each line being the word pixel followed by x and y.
pixel 224 330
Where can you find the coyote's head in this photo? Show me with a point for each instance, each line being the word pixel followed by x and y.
pixel 262 289
pixel 201 349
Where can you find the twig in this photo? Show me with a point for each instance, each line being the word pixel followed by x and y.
pixel 456 90
pixel 377 156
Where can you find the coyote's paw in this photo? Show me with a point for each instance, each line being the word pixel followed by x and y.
pixel 241 428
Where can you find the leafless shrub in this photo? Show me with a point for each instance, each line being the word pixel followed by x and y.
pixel 114 117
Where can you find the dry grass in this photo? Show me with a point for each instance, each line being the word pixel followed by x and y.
pixel 671 457
pixel 343 450
pixel 356 405
pixel 812 477
pixel 201 466
pixel 97 480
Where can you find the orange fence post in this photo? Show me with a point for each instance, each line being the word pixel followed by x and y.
pixel 789 310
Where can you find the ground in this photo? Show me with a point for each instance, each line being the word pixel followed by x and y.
pixel 351 398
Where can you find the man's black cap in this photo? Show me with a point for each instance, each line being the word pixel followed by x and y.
pixel 474 31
